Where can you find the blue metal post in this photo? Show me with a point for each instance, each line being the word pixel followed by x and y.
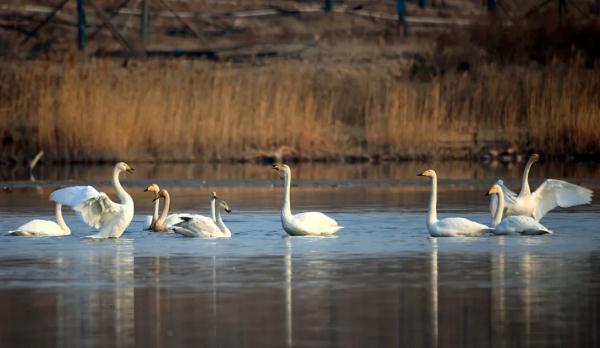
pixel 422 3
pixel 491 5
pixel 401 11
pixel 328 5
pixel 81 39
pixel 598 7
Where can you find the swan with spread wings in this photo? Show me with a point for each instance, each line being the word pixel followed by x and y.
pixel 96 209
pixel 549 195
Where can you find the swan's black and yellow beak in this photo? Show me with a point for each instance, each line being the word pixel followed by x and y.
pixel 129 168
pixel 276 166
pixel 492 190
pixel 228 210
pixel 421 174
pixel 146 189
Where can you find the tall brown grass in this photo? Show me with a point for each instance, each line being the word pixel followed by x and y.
pixel 173 110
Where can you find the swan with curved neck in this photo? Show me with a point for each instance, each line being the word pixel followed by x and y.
pixel 549 195
pixel 448 227
pixel 201 226
pixel 44 228
pixel 96 209
pixel 172 219
pixel 303 224
pixel 523 225
pixel 150 220
pixel 160 225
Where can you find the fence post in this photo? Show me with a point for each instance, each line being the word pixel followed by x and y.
pixel 81 39
pixel 422 3
pixel 144 23
pixel 401 11
pixel 328 5
pixel 598 7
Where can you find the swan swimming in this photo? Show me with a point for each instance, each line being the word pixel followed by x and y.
pixel 96 209
pixel 303 224
pixel 197 225
pixel 173 219
pixel 151 219
pixel 448 227
pixel 549 195
pixel 523 225
pixel 44 228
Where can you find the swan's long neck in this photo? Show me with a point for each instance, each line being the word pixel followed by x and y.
pixel 432 214
pixel 212 209
pixel 286 210
pixel 155 215
pixel 60 220
pixel 162 219
pixel 499 208
pixel 525 190
pixel 221 224
pixel 121 193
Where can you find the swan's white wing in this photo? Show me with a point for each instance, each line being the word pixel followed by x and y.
pixel 40 228
pixel 174 219
pixel 523 225
pixel 95 208
pixel 553 193
pixel 457 226
pixel 74 195
pixel 198 226
pixel 315 223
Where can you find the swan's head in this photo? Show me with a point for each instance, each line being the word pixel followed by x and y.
pixel 124 167
pixel 534 158
pixel 152 188
pixel 429 172
pixel 494 190
pixel 213 195
pixel 225 206
pixel 283 169
pixel 161 194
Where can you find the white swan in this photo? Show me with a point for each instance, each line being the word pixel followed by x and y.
pixel 151 219
pixel 201 226
pixel 173 219
pixel 303 224
pixel 448 227
pixel 549 195
pixel 44 228
pixel 523 225
pixel 96 209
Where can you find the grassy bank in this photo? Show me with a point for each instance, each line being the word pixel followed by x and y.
pixel 180 110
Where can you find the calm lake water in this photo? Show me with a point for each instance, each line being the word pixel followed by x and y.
pixel 382 281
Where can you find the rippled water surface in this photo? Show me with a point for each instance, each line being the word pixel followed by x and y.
pixel 380 282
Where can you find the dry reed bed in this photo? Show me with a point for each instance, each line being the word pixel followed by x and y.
pixel 171 110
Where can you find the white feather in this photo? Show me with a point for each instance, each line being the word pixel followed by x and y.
pixel 39 228
pixel 197 226
pixel 557 193
pixel 523 225
pixel 96 209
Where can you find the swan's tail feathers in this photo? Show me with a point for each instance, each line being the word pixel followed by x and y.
pixel 19 233
pixel 535 232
